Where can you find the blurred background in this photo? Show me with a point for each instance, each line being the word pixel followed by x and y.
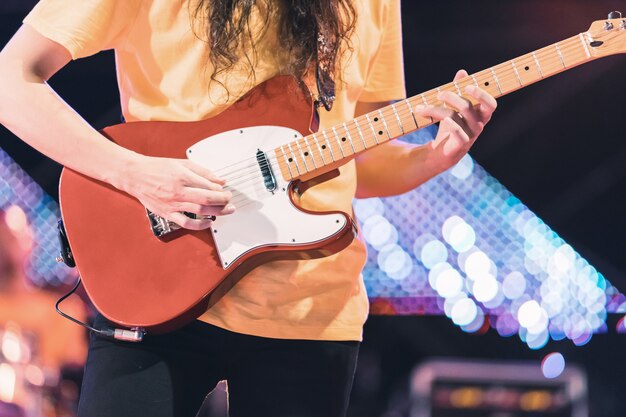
pixel 495 288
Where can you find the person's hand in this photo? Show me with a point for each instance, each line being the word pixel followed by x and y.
pixel 169 187
pixel 461 122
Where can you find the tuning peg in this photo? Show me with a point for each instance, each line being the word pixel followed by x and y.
pixel 615 15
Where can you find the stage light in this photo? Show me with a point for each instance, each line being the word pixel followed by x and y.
pixel 432 253
pixel 31 211
pixel 464 312
pixel 553 365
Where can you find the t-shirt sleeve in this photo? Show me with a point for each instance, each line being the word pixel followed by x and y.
pixel 84 27
pixel 385 81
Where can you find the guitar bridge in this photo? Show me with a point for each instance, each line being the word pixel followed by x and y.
pixel 162 227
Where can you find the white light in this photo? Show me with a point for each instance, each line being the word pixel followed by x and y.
pixel 541 325
pixel 463 169
pixel 378 232
pixel 450 302
pixel 7 382
pixel 564 258
pixel 11 347
pixel 529 313
pixel 462 237
pixel 449 283
pixel 485 288
pixel 537 341
pixel 434 273
pixel 432 253
pixel 477 264
pixel 464 312
pixel 514 285
pixel 476 324
pixel 366 208
pixel 448 225
pixel 395 262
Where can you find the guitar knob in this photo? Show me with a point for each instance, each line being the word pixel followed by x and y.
pixel 615 15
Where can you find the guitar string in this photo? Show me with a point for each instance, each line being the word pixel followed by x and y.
pixel 482 76
pixel 554 56
pixel 486 75
pixel 254 167
pixel 551 51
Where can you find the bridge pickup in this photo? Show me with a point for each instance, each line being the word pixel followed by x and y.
pixel 266 170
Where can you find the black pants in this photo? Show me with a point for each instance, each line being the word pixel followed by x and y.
pixel 170 375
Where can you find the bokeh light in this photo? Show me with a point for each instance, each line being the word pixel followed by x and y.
pixel 553 365
pixel 464 246
pixel 32 215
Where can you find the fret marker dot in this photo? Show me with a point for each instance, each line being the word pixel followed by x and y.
pixel 375 119
pixel 526 68
pixel 323 146
pixel 306 154
pixel 290 159
pixel 343 139
pixel 380 132
pixel 487 84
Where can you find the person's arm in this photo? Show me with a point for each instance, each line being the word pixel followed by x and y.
pixel 397 167
pixel 36 114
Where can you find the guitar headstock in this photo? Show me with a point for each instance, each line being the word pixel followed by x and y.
pixel 608 37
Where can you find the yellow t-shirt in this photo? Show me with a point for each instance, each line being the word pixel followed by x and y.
pixel 163 75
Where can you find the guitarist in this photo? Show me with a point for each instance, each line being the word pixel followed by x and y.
pixel 286 336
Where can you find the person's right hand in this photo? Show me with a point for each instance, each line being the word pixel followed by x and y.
pixel 168 187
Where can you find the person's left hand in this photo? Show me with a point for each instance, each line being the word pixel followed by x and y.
pixel 461 122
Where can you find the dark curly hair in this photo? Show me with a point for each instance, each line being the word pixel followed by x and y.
pixel 300 23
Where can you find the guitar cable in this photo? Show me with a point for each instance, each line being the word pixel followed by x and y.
pixel 132 335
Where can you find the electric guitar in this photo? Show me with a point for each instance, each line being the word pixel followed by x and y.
pixel 144 272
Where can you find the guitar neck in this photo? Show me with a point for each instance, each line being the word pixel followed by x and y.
pixel 315 154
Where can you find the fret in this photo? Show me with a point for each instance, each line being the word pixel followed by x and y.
pixel 558 51
pixel 343 139
pixel 571 53
pixel 395 112
pixel 306 166
pixel 356 123
pixel 475 80
pixel 330 148
pixel 423 95
pixel 408 104
pixel 330 144
pixel 495 77
pixel 582 40
pixel 528 69
pixel 367 116
pixel 486 83
pixel 319 148
pixel 293 158
pixel 310 152
pixel 538 65
pixel 458 90
pixel 282 150
pixel 349 136
pixel 439 92
pixel 519 79
pixel 380 112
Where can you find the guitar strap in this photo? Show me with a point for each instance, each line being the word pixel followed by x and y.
pixel 323 72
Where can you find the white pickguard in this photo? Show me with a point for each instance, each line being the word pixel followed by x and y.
pixel 262 218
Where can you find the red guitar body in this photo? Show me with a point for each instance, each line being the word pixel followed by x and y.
pixel 140 281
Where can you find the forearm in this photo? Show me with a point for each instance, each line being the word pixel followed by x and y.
pixel 36 114
pixel 395 168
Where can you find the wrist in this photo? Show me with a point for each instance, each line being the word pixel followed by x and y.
pixel 123 166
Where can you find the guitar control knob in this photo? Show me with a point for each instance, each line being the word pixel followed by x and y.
pixel 615 15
